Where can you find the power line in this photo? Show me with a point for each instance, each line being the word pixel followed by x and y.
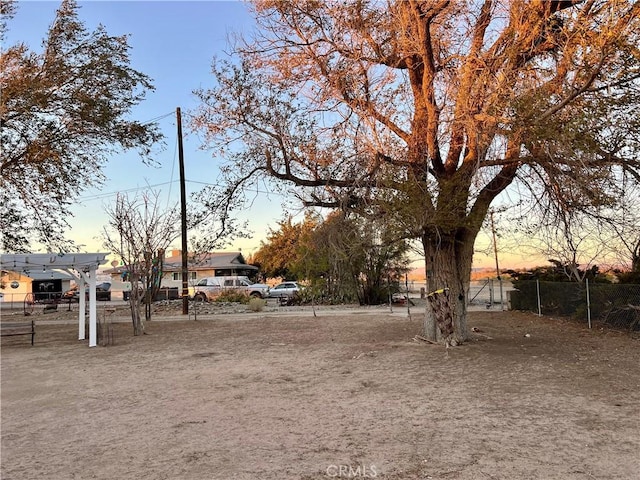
pixel 99 196
pixel 208 184
pixel 153 120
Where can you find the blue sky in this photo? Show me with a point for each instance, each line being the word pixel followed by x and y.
pixel 174 43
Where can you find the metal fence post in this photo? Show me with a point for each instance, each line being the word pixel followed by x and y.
pixel 538 294
pixel 491 297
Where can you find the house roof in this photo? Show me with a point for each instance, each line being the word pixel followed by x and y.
pixel 208 261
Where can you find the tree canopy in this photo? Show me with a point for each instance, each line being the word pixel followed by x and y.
pixel 424 112
pixel 341 258
pixel 279 253
pixel 63 111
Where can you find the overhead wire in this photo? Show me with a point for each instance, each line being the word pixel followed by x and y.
pixel 256 190
pixel 111 194
pixel 160 117
pixel 100 196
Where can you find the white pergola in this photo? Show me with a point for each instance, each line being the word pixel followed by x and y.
pixel 82 266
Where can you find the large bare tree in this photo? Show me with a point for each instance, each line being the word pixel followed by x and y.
pixel 424 112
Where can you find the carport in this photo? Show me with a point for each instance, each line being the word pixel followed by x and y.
pixel 82 266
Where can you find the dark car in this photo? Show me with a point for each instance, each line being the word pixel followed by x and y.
pixel 103 293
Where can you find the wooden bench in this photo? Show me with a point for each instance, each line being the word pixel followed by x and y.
pixel 9 329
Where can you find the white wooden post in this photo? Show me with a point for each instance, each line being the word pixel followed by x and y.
pixel 82 305
pixel 86 264
pixel 92 306
pixel 83 281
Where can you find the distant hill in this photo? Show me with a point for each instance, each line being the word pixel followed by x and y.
pixel 418 275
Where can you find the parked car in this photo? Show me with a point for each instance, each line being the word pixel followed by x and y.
pixel 103 293
pixel 399 298
pixel 285 290
pixel 210 287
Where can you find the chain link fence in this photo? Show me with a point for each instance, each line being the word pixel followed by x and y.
pixel 488 293
pixel 617 305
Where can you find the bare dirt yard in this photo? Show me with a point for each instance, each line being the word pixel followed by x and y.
pixel 346 394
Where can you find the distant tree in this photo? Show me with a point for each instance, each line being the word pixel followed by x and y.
pixel 343 258
pixel 63 111
pixel 279 254
pixel 624 233
pixel 571 242
pixel 424 112
pixel 139 232
pixel 325 263
pixel 350 256
pixel 608 236
pixel 559 271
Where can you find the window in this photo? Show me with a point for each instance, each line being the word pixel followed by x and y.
pixel 177 276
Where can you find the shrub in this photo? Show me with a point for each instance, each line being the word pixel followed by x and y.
pixel 256 304
pixel 234 296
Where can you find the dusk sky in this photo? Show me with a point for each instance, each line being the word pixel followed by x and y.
pixel 174 43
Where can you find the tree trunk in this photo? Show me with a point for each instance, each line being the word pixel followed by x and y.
pixel 147 303
pixel 635 258
pixel 448 258
pixel 134 304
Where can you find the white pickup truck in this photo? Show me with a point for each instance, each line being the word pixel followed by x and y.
pixel 210 287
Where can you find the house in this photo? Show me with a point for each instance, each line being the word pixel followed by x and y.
pixel 50 285
pixel 213 264
pixel 44 285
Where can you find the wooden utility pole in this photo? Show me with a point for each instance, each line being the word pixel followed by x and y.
pixel 183 216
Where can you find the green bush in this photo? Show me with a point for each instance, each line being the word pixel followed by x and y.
pixel 234 296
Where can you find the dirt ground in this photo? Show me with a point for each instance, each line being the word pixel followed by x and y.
pixel 346 394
